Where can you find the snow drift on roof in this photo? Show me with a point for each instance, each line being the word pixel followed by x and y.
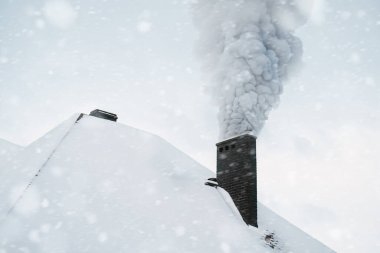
pixel 99 186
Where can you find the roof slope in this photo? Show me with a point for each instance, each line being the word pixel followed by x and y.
pixel 105 187
pixel 16 174
pixel 8 150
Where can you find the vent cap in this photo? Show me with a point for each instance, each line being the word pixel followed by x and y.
pixel 104 115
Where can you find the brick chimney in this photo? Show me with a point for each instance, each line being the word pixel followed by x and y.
pixel 236 173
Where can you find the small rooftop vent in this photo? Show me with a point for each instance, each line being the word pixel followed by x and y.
pixel 104 115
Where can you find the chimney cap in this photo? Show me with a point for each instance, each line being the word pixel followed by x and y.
pixel 247 134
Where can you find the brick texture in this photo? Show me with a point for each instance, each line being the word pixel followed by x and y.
pixel 236 173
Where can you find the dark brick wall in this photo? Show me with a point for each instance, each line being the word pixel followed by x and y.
pixel 236 173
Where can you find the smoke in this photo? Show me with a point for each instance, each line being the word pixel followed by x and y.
pixel 248 49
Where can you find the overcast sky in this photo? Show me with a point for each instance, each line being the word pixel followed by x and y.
pixel 317 153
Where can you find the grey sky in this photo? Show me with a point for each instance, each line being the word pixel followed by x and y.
pixel 317 152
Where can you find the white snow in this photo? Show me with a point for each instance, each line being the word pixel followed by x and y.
pixel 144 27
pixel 291 238
pixel 106 187
pixel 17 173
pixel 59 13
pixel 8 150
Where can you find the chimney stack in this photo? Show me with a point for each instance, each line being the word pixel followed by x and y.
pixel 236 173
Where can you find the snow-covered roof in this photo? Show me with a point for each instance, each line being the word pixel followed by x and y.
pixel 8 150
pixel 100 186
